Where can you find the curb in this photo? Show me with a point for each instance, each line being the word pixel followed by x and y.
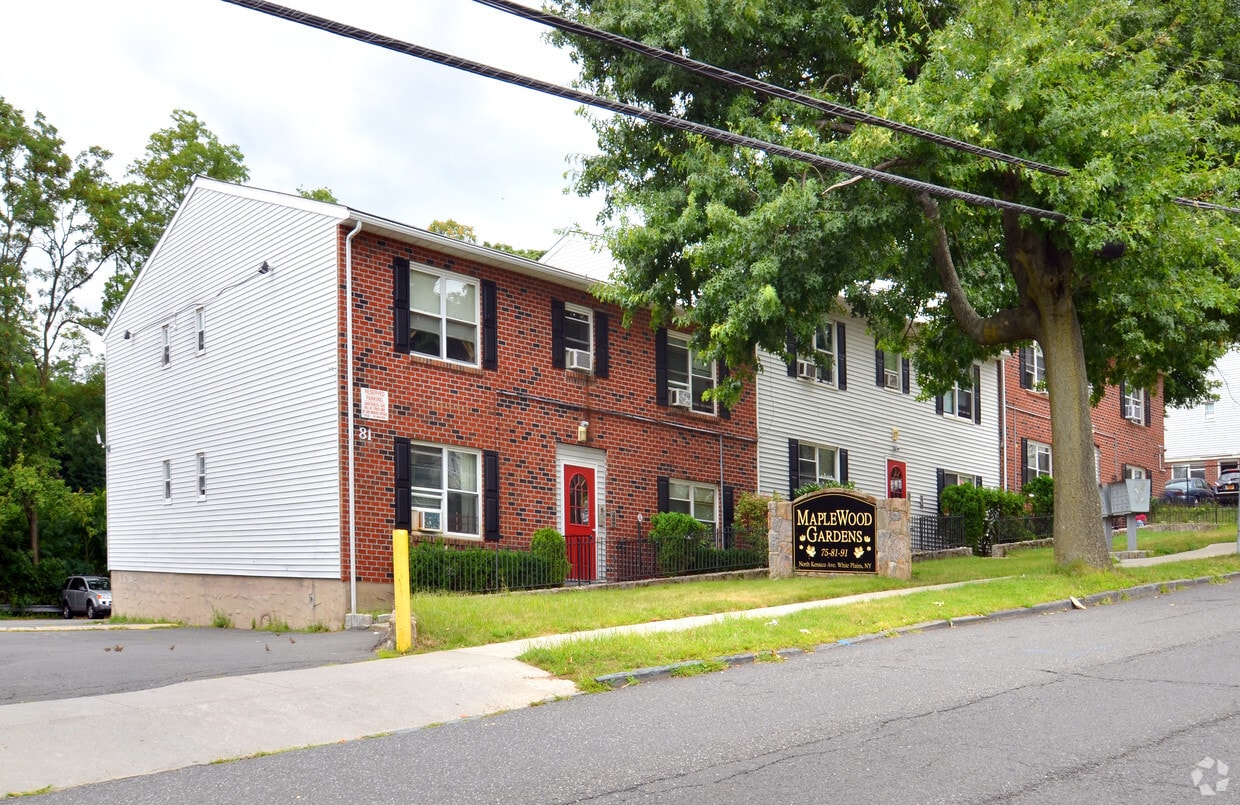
pixel 624 679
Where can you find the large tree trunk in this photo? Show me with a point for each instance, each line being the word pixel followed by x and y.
pixel 1080 534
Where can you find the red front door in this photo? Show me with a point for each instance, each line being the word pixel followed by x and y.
pixel 896 487
pixel 579 521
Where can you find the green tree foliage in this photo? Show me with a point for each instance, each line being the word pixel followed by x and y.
pixel 458 231
pixel 1137 100
pixel 317 194
pixel 157 183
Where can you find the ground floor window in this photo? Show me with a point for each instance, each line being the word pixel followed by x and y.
pixel 955 478
pixel 1037 460
pixel 695 500
pixel 1179 471
pixel 1131 472
pixel 446 481
pixel 815 464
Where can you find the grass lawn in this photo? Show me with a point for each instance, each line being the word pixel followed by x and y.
pixel 1022 580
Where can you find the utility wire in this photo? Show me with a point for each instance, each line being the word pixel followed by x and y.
pixel 771 90
pixel 668 121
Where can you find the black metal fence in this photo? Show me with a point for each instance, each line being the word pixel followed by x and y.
pixel 665 557
pixel 1208 514
pixel 1006 530
pixel 930 532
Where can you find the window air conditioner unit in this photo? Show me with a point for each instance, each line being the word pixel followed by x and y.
pixel 577 359
pixel 424 520
pixel 679 398
pixel 1134 412
pixel 891 380
pixel 807 369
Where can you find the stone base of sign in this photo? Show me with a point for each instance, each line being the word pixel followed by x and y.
pixel 894 556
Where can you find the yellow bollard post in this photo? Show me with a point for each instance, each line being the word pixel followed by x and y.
pixel 400 584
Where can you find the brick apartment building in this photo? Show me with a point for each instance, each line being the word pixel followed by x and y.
pixel 291 380
pixel 1127 423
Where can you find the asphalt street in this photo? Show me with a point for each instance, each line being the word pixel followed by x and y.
pixel 92 659
pixel 1137 701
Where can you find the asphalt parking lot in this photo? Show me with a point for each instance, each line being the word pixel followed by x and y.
pixel 41 660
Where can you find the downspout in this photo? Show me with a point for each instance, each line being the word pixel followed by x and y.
pixel 1003 467
pixel 348 340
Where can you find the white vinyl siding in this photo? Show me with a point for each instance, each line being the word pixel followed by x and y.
pixel 1208 434
pixel 860 419
pixel 262 403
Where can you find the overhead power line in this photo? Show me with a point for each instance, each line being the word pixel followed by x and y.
pixel 667 121
pixel 771 90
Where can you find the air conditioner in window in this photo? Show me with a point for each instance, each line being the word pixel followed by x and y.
pixel 679 398
pixel 1134 412
pixel 807 369
pixel 577 359
pixel 891 380
pixel 426 520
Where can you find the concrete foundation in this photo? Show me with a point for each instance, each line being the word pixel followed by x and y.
pixel 245 601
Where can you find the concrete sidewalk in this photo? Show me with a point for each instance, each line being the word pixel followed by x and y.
pixel 1217 549
pixel 193 723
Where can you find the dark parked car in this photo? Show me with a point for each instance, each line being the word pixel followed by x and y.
pixel 88 595
pixel 1228 487
pixel 1188 490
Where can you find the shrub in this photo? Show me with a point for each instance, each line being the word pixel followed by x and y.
pixel 980 507
pixel 676 536
pixel 434 566
pixel 750 521
pixel 805 489
pixel 1041 494
pixel 549 544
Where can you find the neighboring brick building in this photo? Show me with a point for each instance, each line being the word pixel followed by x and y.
pixel 1127 423
pixel 265 438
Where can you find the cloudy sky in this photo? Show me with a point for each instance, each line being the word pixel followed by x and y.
pixel 388 134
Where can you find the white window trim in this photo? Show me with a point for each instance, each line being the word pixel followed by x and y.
pixel 200 461
pixel 1036 448
pixel 682 341
pixel 443 317
pixel 834 475
pixel 1132 471
pixel 1035 367
pixel 832 360
pixel 443 490
pixel 1134 405
pixel 890 373
pixel 694 487
pixel 961 477
pixel 200 330
pixel 167 481
pixel 952 411
pixel 166 345
pixel 589 316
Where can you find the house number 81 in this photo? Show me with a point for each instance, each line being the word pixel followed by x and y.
pixel 363 433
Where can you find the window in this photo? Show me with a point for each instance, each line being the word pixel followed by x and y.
pixel 891 370
pixel 815 464
pixel 1209 410
pixel 959 402
pixel 200 328
pixel 443 316
pixel 446 480
pixel 689 374
pixel 202 476
pixel 695 500
pixel 1131 472
pixel 1179 471
pixel 577 329
pixel 1032 368
pixel 167 482
pixel 1037 460
pixel 1134 405
pixel 579 339
pixel 955 478
pixel 821 365
pixel 166 341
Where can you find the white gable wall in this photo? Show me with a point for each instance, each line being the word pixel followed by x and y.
pixel 860 419
pixel 260 401
pixel 1194 436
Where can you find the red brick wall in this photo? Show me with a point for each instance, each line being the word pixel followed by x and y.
pixel 1120 441
pixel 522 410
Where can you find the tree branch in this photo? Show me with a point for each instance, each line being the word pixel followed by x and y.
pixel 1004 327
pixel 882 166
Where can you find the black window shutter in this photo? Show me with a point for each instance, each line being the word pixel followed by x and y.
pixel 794 467
pixel 400 304
pixel 1024 368
pixel 938 405
pixel 664 494
pixel 843 466
pixel 602 347
pixel 490 494
pixel 1024 461
pixel 403 503
pixel 879 369
pixel 724 411
pixel 840 362
pixel 977 395
pixel 939 483
pixel 729 509
pixel 490 325
pixel 905 373
pixel 557 334
pixel 790 341
pixel 660 367
pixel 1147 408
pixel 1123 407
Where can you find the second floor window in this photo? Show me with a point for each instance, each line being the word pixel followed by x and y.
pixel 167 471
pixel 202 476
pixel 200 328
pixel 166 344
pixel 688 375
pixel 443 316
pixel 1032 368
pixel 1134 405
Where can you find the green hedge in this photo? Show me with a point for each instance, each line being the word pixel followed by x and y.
pixel 433 566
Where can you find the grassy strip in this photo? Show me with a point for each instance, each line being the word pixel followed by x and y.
pixel 584 660
pixel 447 621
